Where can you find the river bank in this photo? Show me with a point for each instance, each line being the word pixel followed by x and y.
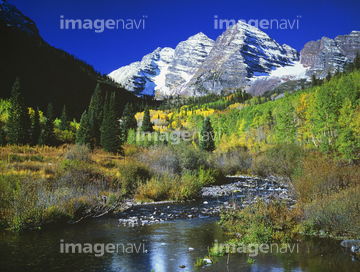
pixel 240 191
pixel 176 241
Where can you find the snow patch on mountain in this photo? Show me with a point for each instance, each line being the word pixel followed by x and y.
pixel 143 77
pixel 291 72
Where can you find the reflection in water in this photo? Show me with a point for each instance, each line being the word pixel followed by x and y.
pixel 40 251
pixel 167 246
pixel 315 254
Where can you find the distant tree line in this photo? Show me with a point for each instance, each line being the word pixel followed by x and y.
pixel 214 101
pixel 100 125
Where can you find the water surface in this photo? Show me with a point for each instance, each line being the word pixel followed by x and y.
pixel 163 247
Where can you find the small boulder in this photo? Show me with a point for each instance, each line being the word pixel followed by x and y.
pixel 355 249
pixel 350 243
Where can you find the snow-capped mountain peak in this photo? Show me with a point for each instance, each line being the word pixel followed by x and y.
pixel 142 77
pixel 243 56
pixel 160 71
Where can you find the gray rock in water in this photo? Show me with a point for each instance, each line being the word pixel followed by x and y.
pixel 355 249
pixel 350 243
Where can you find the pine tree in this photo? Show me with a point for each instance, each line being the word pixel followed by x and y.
pixel 357 61
pixel 96 106
pixel 128 122
pixel 110 129
pixel 94 130
pixel 314 81
pixel 337 74
pixel 207 137
pixel 35 128
pixel 64 125
pixel 147 125
pixel 2 135
pixel 47 136
pixel 83 134
pixel 18 125
pixel 329 76
pixel 105 118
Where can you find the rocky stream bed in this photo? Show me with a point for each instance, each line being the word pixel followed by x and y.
pixel 237 193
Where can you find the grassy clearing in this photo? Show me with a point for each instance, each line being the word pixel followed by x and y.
pixel 42 185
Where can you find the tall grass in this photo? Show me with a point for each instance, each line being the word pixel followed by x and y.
pixel 338 214
pixel 282 160
pixel 234 161
pixel 322 176
pixel 261 222
pixel 43 185
pixel 328 193
pixel 176 187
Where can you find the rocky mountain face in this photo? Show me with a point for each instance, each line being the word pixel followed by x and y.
pixel 188 57
pixel 143 77
pixel 326 54
pixel 164 69
pixel 242 57
pixel 14 18
pixel 240 53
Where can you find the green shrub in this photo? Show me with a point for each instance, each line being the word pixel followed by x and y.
pixel 155 189
pixel 321 176
pixel 338 214
pixel 190 158
pixel 132 173
pixel 261 223
pixel 78 153
pixel 210 176
pixel 282 160
pixel 160 160
pixel 233 161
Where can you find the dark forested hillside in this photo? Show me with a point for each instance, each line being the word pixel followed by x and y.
pixel 51 75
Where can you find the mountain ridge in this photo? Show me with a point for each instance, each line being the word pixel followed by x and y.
pixel 246 57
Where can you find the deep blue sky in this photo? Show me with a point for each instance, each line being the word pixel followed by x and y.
pixel 169 22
